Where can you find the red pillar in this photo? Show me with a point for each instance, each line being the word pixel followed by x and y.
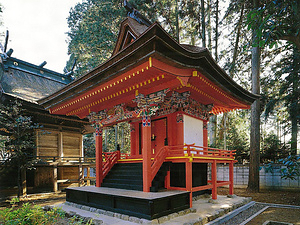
pixel 189 180
pixel 231 178
pixel 214 179
pixel 146 151
pixel 99 172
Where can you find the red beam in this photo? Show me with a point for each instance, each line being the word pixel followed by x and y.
pixel 201 188
pixel 223 183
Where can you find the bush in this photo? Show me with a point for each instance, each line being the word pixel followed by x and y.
pixel 29 214
pixel 292 169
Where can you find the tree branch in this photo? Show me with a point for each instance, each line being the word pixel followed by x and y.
pixel 293 39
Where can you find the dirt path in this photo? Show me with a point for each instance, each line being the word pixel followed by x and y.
pixel 267 196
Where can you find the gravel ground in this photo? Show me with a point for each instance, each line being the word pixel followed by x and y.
pixel 242 216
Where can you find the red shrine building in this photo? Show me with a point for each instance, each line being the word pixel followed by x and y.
pixel 166 91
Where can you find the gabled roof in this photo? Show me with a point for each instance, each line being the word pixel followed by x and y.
pixel 154 59
pixel 130 30
pixel 27 81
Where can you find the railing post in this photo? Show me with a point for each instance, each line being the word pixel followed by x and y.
pixel 88 171
pixel 118 154
pixel 80 175
pixel 168 180
pixel 54 178
pixel 188 179
pixel 188 149
pixel 231 177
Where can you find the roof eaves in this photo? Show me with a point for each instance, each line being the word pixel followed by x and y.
pixel 24 66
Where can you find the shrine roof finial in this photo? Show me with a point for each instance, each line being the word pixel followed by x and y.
pixel 135 14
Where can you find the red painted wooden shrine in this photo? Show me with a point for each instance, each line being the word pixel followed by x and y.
pixel 167 92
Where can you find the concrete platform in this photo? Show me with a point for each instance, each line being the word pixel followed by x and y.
pixel 204 210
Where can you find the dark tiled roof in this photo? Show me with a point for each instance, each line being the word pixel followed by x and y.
pixel 27 81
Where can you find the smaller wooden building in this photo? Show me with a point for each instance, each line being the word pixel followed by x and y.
pixel 59 140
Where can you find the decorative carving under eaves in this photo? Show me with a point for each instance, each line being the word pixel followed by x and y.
pixel 183 102
pixel 179 100
pixel 150 100
pixel 115 114
pixel 155 103
pixel 149 105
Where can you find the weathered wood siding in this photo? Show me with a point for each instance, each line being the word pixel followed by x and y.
pixel 43 176
pixel 49 144
pixel 68 172
pixel 71 145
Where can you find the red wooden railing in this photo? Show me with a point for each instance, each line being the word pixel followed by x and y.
pixel 109 160
pixel 200 151
pixel 158 161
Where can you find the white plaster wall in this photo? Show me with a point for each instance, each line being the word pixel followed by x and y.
pixel 193 130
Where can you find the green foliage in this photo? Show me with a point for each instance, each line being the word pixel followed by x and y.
pixel 237 135
pixel 282 90
pixel 30 215
pixel 276 20
pixel 110 141
pixel 272 149
pixel 292 169
pixel 89 145
pixel 19 144
pixel 122 130
pixel 94 26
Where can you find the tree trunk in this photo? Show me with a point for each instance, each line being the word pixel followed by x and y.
pixel 294 109
pixel 253 182
pixel 177 21
pixel 237 40
pixel 225 115
pixel 209 25
pixel 213 119
pixel 212 130
pixel 217 32
pixel 203 23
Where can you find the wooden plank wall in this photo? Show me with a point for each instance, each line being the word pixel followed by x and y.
pixel 55 143
pixel 47 143
pixel 71 145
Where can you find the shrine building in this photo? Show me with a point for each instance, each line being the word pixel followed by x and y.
pixel 166 91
